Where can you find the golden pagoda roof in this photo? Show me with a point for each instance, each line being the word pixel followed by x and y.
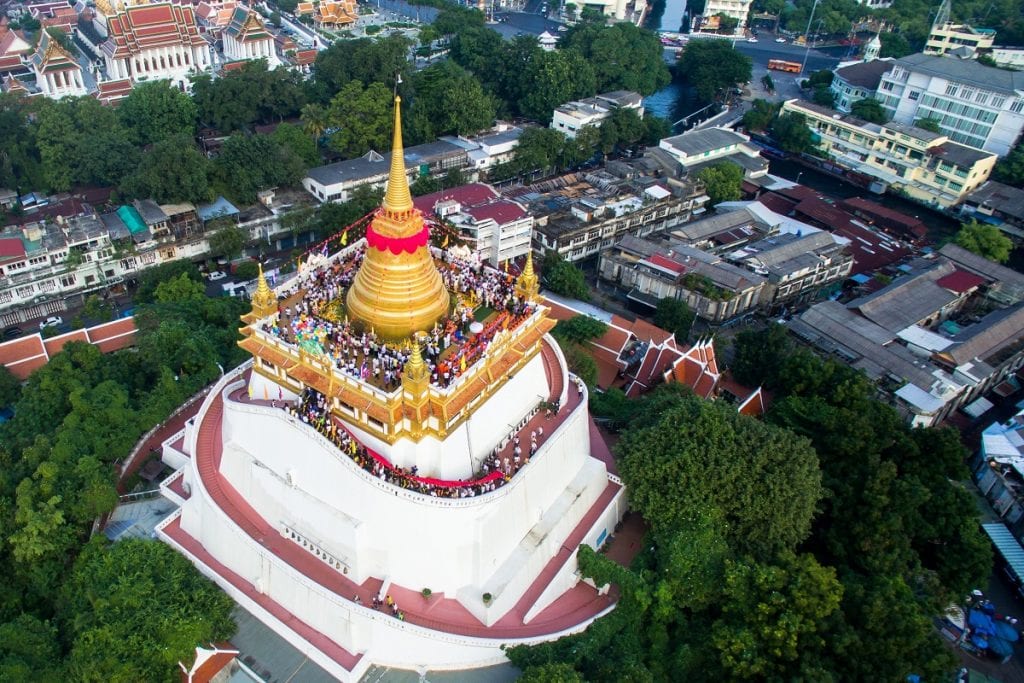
pixel 398 197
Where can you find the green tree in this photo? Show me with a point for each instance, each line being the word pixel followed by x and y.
pixel 157 110
pixel 10 387
pixel 984 240
pixel 710 66
pixel 623 56
pixel 674 316
pixel 111 620
pixel 96 309
pixel 765 482
pixel 30 651
pixel 450 101
pixel 361 119
pixel 928 124
pixel 227 242
pixel 172 170
pixel 774 619
pixel 19 154
pixel 581 363
pixel 551 673
pixel 315 121
pixel 250 163
pixel 1009 169
pixel 253 94
pixel 727 24
pixel 894 45
pixel 760 115
pixel 150 278
pixel 723 181
pixel 623 129
pixel 551 79
pixel 790 130
pixel 870 110
pixel 579 329
pixel 564 278
pixel 758 355
pixel 297 143
pixel 364 60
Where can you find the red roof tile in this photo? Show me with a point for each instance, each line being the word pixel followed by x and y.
pixel 473 194
pixel 22 356
pixel 960 281
pixel 667 263
pixel 11 248
pixel 55 345
pixel 501 212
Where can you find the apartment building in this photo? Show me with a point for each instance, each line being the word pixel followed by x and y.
pixel 698 149
pixel 572 117
pixel 927 167
pixel 495 228
pixel 581 216
pixel 949 36
pixel 975 105
pixel 856 82
pixel 737 9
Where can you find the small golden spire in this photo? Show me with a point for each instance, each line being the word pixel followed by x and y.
pixel 398 199
pixel 416 371
pixel 527 285
pixel 264 301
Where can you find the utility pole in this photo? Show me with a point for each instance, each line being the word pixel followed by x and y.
pixel 807 35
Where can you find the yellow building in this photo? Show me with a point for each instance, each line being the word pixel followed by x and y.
pixel 925 166
pixel 950 36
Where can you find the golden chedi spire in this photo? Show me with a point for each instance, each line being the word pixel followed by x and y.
pixel 527 285
pixel 264 301
pixel 397 290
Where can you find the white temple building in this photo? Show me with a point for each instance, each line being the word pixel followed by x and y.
pixel 313 483
pixel 151 42
pixel 247 37
pixel 57 73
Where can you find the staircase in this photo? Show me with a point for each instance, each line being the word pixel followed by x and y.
pixel 553 371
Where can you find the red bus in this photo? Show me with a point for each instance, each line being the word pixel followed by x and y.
pixel 783 65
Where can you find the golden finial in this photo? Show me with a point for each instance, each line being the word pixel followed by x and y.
pixel 398 199
pixel 264 301
pixel 416 373
pixel 527 285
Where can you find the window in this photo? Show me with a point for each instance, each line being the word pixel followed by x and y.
pixel 981 98
pixel 887 86
pixel 914 95
pixel 998 102
pixel 68 280
pixel 26 291
pixel 951 90
pixel 1017 106
pixel 968 93
pixel 956 187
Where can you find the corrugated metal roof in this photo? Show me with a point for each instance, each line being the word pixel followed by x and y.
pixel 1007 545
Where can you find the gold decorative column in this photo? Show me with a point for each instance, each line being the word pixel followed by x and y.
pixel 264 301
pixel 397 290
pixel 415 382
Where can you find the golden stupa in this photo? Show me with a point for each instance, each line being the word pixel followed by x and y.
pixel 397 290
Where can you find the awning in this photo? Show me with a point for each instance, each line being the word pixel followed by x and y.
pixel 1007 545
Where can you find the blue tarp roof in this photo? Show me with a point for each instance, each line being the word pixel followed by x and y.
pixel 860 278
pixel 1007 545
pixel 219 208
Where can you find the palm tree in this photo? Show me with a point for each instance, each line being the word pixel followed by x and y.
pixel 314 120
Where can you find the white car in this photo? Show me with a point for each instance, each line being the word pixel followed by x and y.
pixel 780 40
pixel 216 275
pixel 52 320
pixel 751 39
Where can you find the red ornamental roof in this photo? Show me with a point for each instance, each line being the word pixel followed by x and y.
pixel 11 248
pixel 146 26
pixel 111 91
pixel 960 281
pixel 667 264
pixel 396 245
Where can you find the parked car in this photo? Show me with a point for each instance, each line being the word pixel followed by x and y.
pixel 216 275
pixel 780 40
pixel 12 332
pixel 751 39
pixel 53 320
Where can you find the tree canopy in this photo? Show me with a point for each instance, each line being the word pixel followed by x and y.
pixel 710 66
pixel 870 110
pixel 156 110
pixel 623 56
pixel 563 277
pixel 984 240
pixel 724 181
pixel 1010 169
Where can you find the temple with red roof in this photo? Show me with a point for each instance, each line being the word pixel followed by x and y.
pixel 24 355
pixel 150 42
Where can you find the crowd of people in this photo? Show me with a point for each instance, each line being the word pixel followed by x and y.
pixel 448 349
pixel 496 470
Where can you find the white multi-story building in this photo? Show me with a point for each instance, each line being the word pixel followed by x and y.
pixel 737 9
pixel 697 149
pixel 571 117
pixel 497 229
pixel 975 105
pixel 151 42
pixel 622 10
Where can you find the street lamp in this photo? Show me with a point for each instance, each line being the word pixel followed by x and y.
pixel 807 36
